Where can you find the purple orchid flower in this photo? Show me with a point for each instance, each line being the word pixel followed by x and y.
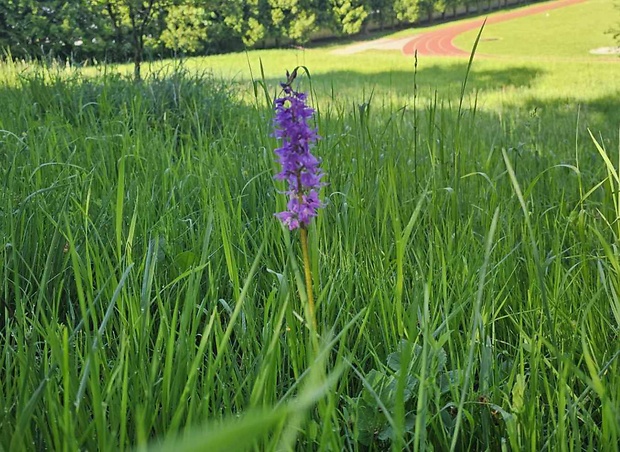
pixel 300 169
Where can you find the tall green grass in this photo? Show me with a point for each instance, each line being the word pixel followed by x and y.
pixel 465 265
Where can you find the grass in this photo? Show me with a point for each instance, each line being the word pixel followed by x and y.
pixel 569 32
pixel 465 270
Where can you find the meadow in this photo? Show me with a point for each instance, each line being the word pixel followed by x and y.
pixel 465 263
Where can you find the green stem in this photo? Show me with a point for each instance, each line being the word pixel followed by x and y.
pixel 308 274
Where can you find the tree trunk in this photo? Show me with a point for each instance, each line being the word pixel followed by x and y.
pixel 366 27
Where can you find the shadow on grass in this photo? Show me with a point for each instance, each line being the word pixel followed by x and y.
pixel 441 78
pixel 601 114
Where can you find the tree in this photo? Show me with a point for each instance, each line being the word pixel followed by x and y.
pixel 350 15
pixel 430 7
pixel 452 5
pixel 293 19
pixel 186 28
pixel 407 11
pixel 382 13
pixel 249 19
pixel 131 19
pixel 49 28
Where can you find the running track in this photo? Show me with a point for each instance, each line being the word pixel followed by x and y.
pixel 439 42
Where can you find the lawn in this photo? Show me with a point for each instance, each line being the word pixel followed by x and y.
pixel 464 264
pixel 569 32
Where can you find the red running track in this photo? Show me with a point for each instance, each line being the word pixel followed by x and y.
pixel 439 42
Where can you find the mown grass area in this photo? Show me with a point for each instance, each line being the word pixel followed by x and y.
pixel 569 32
pixel 465 263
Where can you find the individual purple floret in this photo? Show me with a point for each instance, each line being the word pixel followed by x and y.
pixel 300 169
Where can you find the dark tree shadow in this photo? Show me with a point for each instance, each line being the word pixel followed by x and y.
pixel 446 80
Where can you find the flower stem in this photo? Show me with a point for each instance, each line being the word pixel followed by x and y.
pixel 308 274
